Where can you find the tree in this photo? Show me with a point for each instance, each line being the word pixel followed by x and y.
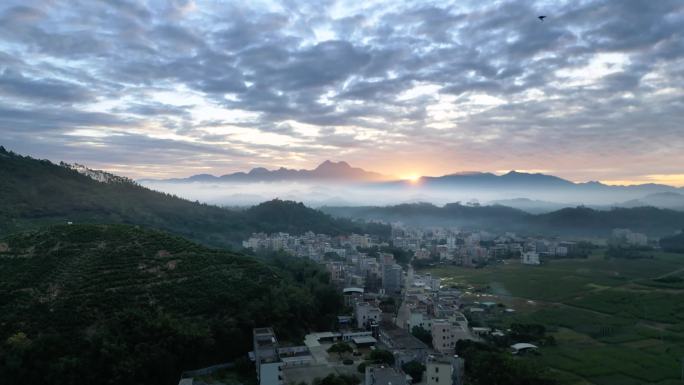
pixel 381 357
pixel 337 379
pixel 414 369
pixel 340 348
pixel 422 334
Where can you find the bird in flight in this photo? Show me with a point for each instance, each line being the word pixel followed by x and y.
pixel 541 18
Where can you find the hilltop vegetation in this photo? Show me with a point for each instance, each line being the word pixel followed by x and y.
pixel 38 192
pixel 116 304
pixel 673 243
pixel 572 221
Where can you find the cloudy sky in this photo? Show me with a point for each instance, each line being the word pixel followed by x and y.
pixel 161 89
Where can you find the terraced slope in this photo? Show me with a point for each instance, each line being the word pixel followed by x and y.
pixel 102 304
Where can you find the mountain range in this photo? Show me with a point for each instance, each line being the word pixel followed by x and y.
pixel 362 187
pixel 327 171
pixel 35 193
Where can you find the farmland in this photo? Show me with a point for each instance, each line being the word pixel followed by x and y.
pixel 616 321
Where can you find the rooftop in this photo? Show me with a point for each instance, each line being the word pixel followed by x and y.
pixel 401 338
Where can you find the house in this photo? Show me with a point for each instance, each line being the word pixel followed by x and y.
pixel 444 370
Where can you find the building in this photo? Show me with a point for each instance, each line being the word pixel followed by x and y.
pixel 403 345
pixel 266 357
pixel 383 375
pixel 391 278
pixel 530 258
pixel 445 334
pixel 627 238
pixel 352 295
pixel 366 315
pixel 444 370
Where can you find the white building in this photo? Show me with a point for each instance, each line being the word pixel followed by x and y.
pixel 530 258
pixel 625 237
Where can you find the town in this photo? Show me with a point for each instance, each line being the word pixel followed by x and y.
pixel 401 327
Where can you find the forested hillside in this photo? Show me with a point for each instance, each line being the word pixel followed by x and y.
pixel 571 221
pixel 37 192
pixel 95 304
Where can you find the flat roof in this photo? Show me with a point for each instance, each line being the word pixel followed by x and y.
pixel 364 340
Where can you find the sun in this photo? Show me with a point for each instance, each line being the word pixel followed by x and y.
pixel 413 178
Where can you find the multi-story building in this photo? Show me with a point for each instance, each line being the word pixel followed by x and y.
pixel 391 278
pixel 444 370
pixel 366 315
pixel 445 334
pixel 266 357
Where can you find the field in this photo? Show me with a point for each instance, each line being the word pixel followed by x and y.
pixel 616 321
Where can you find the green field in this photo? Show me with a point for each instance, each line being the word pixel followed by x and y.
pixel 615 321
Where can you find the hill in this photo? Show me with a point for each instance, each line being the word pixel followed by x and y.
pixel 673 243
pixel 664 200
pixel 37 192
pixel 116 304
pixel 572 221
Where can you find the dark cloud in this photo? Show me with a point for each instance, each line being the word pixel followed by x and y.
pixel 14 84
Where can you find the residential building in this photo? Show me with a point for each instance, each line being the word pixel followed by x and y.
pixel 266 357
pixel 366 315
pixel 384 375
pixel 444 370
pixel 445 334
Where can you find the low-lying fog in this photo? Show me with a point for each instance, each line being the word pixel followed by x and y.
pixel 334 194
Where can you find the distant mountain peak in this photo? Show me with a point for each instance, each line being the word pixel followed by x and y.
pixel 328 170
pixel 259 170
pixel 330 165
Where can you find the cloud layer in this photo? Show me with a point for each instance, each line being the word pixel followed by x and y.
pixel 172 88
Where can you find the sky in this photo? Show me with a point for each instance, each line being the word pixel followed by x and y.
pixel 156 89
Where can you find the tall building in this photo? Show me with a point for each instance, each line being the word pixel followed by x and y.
pixel 266 358
pixel 391 278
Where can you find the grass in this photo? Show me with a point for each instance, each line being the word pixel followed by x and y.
pixel 617 322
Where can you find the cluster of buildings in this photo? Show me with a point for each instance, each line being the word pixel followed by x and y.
pixel 627 238
pixel 471 249
pixel 368 329
pixel 434 309
pixel 309 244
